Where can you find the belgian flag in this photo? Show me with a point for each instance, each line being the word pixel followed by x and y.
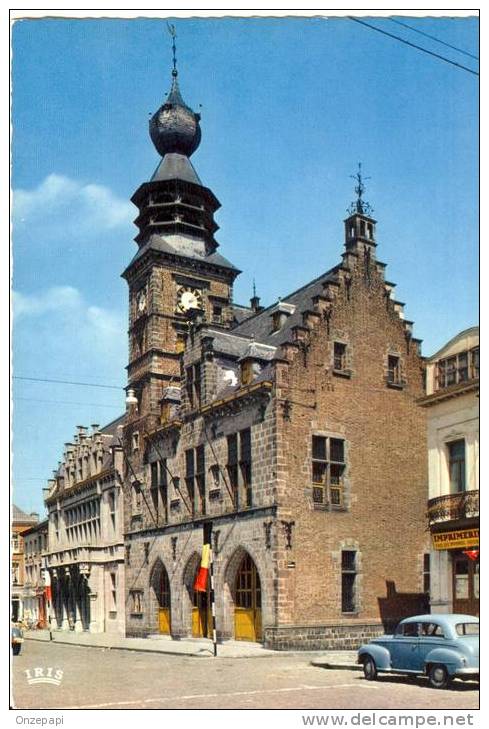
pixel 200 584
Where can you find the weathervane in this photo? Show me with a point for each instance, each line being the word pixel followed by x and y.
pixel 360 206
pixel 173 33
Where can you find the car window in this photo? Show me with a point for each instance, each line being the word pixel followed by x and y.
pixel 467 628
pixel 408 630
pixel 432 629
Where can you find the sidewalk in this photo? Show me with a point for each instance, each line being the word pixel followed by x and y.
pixel 195 647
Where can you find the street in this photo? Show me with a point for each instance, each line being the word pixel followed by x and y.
pixel 117 679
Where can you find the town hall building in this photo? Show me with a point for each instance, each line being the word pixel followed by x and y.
pixel 292 432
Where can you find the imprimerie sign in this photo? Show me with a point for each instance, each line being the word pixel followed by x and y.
pixel 461 539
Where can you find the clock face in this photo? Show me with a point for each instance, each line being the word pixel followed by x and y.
pixel 141 302
pixel 188 298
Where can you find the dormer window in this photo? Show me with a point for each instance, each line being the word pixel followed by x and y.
pixel 459 368
pixel 278 320
pixel 247 372
pixel 280 315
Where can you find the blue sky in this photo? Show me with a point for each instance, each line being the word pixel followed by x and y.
pixel 289 107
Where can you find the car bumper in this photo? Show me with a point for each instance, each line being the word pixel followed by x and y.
pixel 466 672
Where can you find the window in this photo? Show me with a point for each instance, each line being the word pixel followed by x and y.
pixel 456 466
pixel 394 370
pixel 137 602
pixel 339 356
pixel 426 573
pixel 247 372
pixel 190 476
pixel 112 508
pixel 328 465
pixel 15 543
pixel 348 581
pixel 193 385
pixel 245 466
pixel 135 442
pixel 232 466
pixel 408 630
pixel 200 504
pixel 459 368
pixel 474 363
pixel 217 314
pixel 154 488
pixel 163 491
pixel 113 591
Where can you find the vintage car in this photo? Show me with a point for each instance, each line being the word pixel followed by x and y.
pixel 441 647
pixel 17 639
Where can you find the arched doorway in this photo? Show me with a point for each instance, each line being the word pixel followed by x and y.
pixel 247 602
pixel 161 587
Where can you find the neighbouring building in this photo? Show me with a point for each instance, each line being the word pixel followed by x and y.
pixel 35 550
pixel 85 544
pixel 21 522
pixel 452 408
pixel 293 430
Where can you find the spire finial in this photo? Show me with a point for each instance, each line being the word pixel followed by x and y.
pixel 173 33
pixel 254 288
pixel 360 206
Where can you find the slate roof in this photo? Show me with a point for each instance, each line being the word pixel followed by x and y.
pixel 175 245
pixel 111 428
pixel 175 166
pixel 241 312
pixel 234 345
pixel 21 517
pixel 260 325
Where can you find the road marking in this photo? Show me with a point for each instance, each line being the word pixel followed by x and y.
pixel 189 697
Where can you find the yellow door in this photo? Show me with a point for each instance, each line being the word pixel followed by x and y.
pixel 162 589
pixel 164 620
pixel 247 611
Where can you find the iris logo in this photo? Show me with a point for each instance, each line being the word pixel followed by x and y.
pixel 44 675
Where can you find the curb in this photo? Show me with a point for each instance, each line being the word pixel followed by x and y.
pixel 149 649
pixel 337 666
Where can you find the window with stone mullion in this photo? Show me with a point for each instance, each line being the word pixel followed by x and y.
pixel 245 467
pixel 190 477
pixel 232 467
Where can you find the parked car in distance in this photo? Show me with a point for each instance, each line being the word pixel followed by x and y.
pixel 442 647
pixel 17 639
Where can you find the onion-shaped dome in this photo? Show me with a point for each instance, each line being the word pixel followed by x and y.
pixel 175 127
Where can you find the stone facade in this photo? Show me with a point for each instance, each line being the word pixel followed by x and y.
pixel 293 430
pixel 35 549
pixel 21 522
pixel 85 555
pixel 452 407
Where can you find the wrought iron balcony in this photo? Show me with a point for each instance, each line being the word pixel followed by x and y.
pixel 451 507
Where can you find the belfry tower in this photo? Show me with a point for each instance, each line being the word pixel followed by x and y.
pixel 177 275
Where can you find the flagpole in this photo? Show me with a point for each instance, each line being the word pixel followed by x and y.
pixel 213 605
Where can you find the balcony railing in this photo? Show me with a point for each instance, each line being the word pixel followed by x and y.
pixel 451 507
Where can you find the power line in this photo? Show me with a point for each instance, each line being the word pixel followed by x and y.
pixel 413 45
pixel 437 40
pixel 68 402
pixel 66 382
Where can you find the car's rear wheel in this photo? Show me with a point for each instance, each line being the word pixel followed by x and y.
pixel 438 676
pixel 369 669
pixel 16 649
